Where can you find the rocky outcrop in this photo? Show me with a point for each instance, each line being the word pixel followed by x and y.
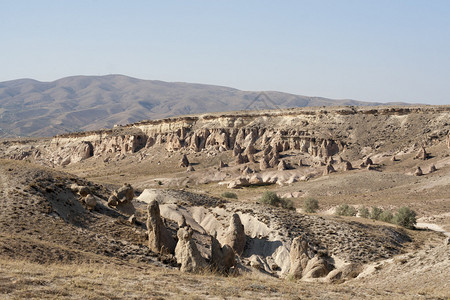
pixel 241 159
pixel 305 263
pixel 329 169
pixel 121 199
pixel 299 256
pixel 264 164
pixel 422 154
pixel 187 254
pixel 90 202
pixel 222 258
pixel 239 183
pixel 418 172
pixel 282 165
pixel 159 238
pixel 348 166
pixel 235 236
pixel 184 161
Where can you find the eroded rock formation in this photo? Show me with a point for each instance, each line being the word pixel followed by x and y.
pixel 187 254
pixel 159 238
pixel 235 235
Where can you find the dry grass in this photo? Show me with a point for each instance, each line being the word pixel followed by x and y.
pixel 25 280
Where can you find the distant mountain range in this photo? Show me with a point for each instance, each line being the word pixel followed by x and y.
pixel 32 108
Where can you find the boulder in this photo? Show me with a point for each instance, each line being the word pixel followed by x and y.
pixel 159 238
pixel 235 235
pixel 84 191
pixel 368 161
pixel 256 180
pixel 238 183
pixel 422 154
pixel 418 172
pixel 113 201
pixel 184 162
pixel 187 254
pixel 124 193
pixel 90 202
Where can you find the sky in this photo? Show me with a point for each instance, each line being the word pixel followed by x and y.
pixel 370 50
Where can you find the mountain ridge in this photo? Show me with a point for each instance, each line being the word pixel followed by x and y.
pixel 30 107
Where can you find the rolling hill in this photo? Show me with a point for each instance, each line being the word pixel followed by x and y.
pixel 32 108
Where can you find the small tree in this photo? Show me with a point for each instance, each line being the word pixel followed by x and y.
pixel 405 217
pixel 273 199
pixel 345 210
pixel 287 203
pixel 363 212
pixel 310 205
pixel 375 213
pixel 386 216
pixel 270 198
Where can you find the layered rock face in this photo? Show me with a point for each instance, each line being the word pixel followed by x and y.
pixel 317 132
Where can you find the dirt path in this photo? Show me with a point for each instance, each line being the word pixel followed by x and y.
pixel 432 226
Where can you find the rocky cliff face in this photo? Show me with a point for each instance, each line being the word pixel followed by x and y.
pixel 317 132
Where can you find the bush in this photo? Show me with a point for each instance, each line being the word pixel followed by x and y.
pixel 310 205
pixel 386 216
pixel 273 199
pixel 345 210
pixel 364 212
pixel 405 217
pixel 230 195
pixel 375 213
pixel 287 203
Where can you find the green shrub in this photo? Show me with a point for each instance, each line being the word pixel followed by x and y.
pixel 230 195
pixel 386 216
pixel 345 210
pixel 405 217
pixel 271 198
pixel 364 212
pixel 375 213
pixel 287 203
pixel 310 205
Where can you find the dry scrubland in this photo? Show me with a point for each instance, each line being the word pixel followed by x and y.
pixel 55 243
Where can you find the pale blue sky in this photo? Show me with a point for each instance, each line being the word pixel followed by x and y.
pixel 365 50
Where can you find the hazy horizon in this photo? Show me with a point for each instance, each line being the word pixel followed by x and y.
pixel 383 51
